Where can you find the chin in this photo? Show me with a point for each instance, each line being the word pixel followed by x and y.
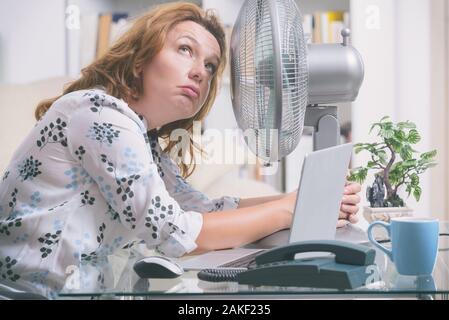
pixel 187 109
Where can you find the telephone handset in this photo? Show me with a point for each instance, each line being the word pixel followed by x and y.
pixel 278 267
pixel 345 252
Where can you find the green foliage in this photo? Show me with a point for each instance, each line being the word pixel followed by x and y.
pixel 395 159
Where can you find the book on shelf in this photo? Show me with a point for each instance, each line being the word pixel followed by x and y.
pixel 110 28
pixel 119 26
pixel 104 29
pixel 325 27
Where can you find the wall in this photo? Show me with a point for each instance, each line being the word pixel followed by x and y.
pixel 34 43
pixel 439 112
pixel 402 44
pixel 446 36
pixel 31 40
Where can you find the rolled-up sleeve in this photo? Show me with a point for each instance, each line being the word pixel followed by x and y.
pixel 113 149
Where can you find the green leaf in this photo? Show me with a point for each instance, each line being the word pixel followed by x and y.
pixel 414 180
pixel 400 135
pixel 382 156
pixel 396 176
pixel 410 163
pixel 375 125
pixel 384 118
pixel 362 146
pixel 406 152
pixel 417 193
pixel 429 165
pixel 406 125
pixel 372 149
pixel 409 189
pixel 358 175
pixel 429 155
pixel 388 125
pixel 395 145
pixel 371 164
pixel 397 166
pixel 413 137
pixel 386 133
pixel 357 150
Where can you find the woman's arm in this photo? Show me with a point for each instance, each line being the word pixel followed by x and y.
pixel 234 228
pixel 248 202
pixel 348 207
pixel 258 218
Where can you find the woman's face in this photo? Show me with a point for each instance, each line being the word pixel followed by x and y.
pixel 176 82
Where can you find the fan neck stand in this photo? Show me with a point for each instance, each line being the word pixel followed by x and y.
pixel 326 133
pixel 326 129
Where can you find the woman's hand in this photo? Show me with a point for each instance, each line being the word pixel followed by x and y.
pixel 348 208
pixel 349 204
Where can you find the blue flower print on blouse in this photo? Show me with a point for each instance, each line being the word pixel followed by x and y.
pixel 78 176
pixel 29 208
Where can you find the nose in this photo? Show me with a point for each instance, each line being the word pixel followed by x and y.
pixel 197 72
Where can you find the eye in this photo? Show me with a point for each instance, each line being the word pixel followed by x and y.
pixel 185 49
pixel 211 68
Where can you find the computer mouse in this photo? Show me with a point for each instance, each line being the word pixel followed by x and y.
pixel 157 267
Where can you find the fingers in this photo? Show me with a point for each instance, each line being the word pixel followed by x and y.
pixel 352 188
pixel 342 215
pixel 352 199
pixel 349 216
pixel 353 218
pixel 341 223
pixel 349 209
pixel 349 213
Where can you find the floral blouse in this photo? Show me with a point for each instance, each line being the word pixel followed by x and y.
pixel 88 179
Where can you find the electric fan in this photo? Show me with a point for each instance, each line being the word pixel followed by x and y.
pixel 277 80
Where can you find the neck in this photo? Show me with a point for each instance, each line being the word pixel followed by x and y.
pixel 143 109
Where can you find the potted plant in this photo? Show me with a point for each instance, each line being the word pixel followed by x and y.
pixel 396 165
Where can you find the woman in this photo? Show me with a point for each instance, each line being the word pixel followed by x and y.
pixel 91 176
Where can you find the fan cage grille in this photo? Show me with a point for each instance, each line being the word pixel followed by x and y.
pixel 253 77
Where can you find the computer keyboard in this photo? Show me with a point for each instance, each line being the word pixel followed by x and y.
pixel 243 262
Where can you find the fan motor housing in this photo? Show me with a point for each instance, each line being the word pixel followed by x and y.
pixel 336 73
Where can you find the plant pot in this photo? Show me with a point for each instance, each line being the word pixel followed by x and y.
pixel 385 214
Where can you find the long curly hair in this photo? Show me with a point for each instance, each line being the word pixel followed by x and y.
pixel 117 71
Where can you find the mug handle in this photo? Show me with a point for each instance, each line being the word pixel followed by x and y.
pixel 377 244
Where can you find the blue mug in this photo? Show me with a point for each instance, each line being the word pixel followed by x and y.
pixel 414 244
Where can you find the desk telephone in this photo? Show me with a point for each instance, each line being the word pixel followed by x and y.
pixel 345 269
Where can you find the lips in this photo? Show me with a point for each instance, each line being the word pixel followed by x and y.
pixel 191 91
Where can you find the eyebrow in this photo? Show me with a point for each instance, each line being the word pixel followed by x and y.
pixel 197 43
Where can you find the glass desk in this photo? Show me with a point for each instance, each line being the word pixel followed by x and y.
pixel 385 282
